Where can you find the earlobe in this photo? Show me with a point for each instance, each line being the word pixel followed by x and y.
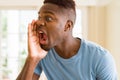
pixel 68 25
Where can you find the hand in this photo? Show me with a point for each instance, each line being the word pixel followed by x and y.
pixel 34 49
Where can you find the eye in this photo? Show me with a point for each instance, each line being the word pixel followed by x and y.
pixel 48 19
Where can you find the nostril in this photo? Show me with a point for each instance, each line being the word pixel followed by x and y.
pixel 38 28
pixel 40 23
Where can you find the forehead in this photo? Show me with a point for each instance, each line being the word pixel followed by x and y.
pixel 50 8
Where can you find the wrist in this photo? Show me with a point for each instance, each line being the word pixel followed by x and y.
pixel 33 61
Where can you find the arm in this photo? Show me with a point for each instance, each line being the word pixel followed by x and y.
pixel 35 54
pixel 28 70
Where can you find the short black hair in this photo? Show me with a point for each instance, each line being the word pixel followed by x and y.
pixel 66 4
pixel 62 3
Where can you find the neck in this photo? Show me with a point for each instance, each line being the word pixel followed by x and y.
pixel 68 48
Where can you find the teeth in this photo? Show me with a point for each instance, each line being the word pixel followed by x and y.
pixel 41 32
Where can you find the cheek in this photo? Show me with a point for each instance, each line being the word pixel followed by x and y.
pixel 55 32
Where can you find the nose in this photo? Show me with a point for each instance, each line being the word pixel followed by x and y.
pixel 40 23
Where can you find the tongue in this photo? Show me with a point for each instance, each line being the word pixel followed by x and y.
pixel 43 38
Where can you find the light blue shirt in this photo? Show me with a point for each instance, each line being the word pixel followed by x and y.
pixel 92 62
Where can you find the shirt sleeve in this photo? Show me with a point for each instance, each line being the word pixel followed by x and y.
pixel 106 69
pixel 38 69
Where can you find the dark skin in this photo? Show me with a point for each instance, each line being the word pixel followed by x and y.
pixel 57 27
pixel 59 30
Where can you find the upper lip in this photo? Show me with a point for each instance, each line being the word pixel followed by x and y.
pixel 40 31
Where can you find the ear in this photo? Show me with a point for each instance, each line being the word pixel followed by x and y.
pixel 69 25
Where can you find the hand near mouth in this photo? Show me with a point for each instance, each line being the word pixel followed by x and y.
pixel 34 50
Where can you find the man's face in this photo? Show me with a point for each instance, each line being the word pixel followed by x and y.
pixel 50 26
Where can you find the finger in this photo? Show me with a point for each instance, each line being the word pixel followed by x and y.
pixel 33 21
pixel 30 28
pixel 33 25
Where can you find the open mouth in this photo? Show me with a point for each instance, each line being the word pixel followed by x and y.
pixel 42 37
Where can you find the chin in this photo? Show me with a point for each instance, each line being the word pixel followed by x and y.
pixel 45 47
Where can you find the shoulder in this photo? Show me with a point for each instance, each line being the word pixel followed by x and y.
pixel 96 52
pixel 102 60
pixel 93 48
pixel 97 55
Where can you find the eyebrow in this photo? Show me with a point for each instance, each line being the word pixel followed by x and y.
pixel 49 12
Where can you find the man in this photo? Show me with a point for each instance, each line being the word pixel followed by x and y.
pixel 53 49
